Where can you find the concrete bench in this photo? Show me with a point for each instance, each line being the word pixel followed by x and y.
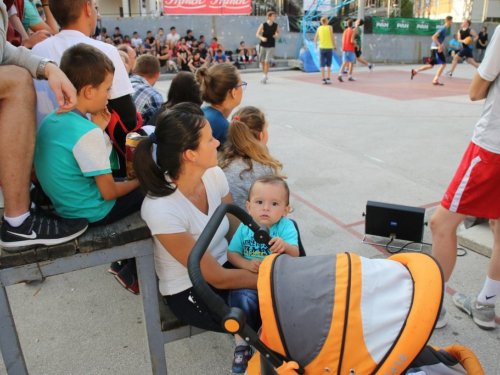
pixel 127 238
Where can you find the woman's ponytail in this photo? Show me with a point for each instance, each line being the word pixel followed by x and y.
pixel 151 178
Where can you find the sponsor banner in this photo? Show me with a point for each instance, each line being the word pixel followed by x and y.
pixel 406 26
pixel 218 7
pixel 339 24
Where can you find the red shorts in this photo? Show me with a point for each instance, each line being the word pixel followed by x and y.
pixel 475 189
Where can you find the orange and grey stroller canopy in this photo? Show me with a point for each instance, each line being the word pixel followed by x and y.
pixel 342 314
pixel 346 314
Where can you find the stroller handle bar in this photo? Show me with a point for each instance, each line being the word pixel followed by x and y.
pixel 214 302
pixel 233 319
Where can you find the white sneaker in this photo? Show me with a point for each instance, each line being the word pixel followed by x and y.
pixel 483 314
pixel 442 321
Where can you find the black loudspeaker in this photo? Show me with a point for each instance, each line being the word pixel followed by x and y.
pixel 394 221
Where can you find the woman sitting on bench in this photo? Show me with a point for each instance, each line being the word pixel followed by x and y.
pixel 183 191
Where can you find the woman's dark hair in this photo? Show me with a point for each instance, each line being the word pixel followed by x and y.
pixel 177 130
pixel 184 88
pixel 217 81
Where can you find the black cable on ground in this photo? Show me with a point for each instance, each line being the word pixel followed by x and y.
pixel 459 254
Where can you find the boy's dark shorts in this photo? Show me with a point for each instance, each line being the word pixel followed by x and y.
pixel 358 52
pixel 437 58
pixel 465 53
pixel 325 57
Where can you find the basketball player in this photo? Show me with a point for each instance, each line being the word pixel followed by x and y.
pixel 437 52
pixel 466 51
pixel 268 32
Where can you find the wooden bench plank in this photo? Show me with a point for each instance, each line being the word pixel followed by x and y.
pixel 130 229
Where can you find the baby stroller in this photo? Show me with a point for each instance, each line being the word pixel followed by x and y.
pixel 343 314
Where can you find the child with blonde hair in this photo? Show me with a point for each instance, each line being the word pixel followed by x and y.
pixel 245 156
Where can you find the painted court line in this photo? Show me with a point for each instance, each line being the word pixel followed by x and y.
pixel 348 227
pixel 357 114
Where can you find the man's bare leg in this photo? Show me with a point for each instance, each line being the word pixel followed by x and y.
pixel 444 226
pixel 473 62
pixel 494 268
pixel 362 61
pixel 425 67
pixel 265 67
pixel 439 72
pixel 17 137
pixel 455 62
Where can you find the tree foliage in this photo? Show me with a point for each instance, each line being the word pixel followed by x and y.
pixel 406 9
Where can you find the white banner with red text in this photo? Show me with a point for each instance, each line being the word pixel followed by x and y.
pixel 215 7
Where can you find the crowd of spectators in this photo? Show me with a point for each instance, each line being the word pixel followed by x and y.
pixel 177 53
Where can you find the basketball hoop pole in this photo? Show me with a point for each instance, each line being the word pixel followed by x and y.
pixel 361 16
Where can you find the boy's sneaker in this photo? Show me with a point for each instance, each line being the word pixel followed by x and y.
pixel 116 267
pixel 324 81
pixel 128 279
pixel 437 83
pixel 40 229
pixel 344 73
pixel 413 73
pixel 340 79
pixel 449 74
pixel 442 321
pixel 370 67
pixel 352 79
pixel 483 314
pixel 328 82
pixel 242 354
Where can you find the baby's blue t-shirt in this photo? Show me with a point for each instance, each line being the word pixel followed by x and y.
pixel 243 242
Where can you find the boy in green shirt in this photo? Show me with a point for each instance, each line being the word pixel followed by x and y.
pixel 71 159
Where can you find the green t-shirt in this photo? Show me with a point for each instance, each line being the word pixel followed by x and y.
pixel 70 151
pixel 358 37
pixel 30 15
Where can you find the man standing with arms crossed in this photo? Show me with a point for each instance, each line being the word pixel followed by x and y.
pixel 267 33
pixel 474 191
pixel 437 52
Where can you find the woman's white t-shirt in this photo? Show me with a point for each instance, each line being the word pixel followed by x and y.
pixel 176 214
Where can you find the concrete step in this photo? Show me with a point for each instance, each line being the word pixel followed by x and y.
pixel 478 238
pixel 252 67
pixel 296 63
